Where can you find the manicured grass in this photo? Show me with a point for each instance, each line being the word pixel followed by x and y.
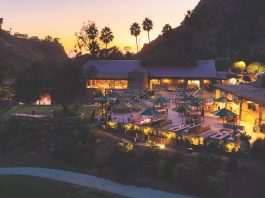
pixel 31 187
pixel 42 110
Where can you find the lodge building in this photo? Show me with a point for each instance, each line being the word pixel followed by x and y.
pixel 134 74
pixel 248 101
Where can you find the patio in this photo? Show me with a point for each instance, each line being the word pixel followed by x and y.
pixel 167 104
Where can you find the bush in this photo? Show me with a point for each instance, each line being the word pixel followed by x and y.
pixel 258 150
pixel 121 160
pixel 215 184
pixel 232 164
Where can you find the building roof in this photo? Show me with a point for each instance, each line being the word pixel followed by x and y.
pixel 119 69
pixel 246 91
pixel 112 69
pixel 225 75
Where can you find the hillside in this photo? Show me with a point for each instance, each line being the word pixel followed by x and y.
pixel 24 52
pixel 214 29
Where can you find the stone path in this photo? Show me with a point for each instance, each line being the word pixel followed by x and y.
pixel 91 182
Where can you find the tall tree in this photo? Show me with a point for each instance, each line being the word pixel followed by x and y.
pixel 135 30
pixel 92 31
pixel 69 84
pixel 94 48
pixel 148 26
pixel 30 84
pixel 166 29
pixel 106 36
pixel 87 38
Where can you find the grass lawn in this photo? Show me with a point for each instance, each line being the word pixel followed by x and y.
pixel 31 187
pixel 42 110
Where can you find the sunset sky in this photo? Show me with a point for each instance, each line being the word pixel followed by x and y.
pixel 62 18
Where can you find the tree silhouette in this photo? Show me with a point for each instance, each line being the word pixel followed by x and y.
pixel 1 22
pixel 94 48
pixel 92 31
pixel 87 39
pixel 167 28
pixel 148 26
pixel 106 36
pixel 135 30
pixel 48 39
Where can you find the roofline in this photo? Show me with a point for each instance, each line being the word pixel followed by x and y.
pixel 238 95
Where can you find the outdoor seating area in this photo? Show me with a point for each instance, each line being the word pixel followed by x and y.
pixel 223 134
pixel 173 113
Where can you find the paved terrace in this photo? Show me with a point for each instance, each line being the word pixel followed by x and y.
pixel 90 182
pixel 210 120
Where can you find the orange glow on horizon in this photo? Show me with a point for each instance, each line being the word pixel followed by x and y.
pixel 62 18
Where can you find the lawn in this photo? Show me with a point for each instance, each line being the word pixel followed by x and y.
pixel 42 110
pixel 32 187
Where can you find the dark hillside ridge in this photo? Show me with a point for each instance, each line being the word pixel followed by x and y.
pixel 216 28
pixel 25 52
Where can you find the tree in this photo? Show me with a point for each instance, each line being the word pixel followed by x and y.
pixel 106 36
pixel 87 39
pixel 256 68
pixel 166 29
pixel 135 30
pixel 148 26
pixel 92 31
pixel 49 39
pixel 30 84
pixel 1 22
pixel 113 53
pixel 69 84
pixel 258 150
pixel 94 48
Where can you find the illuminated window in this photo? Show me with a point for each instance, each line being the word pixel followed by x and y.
pixel 193 83
pixel 108 84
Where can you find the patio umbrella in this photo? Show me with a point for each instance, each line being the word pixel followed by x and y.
pixel 182 93
pixel 182 110
pixel 224 113
pixel 121 107
pixel 114 94
pixel 134 93
pixel 161 100
pixel 150 111
pixel 196 102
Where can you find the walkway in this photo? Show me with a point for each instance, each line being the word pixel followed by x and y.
pixel 90 182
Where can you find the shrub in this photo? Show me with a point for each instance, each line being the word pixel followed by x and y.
pixel 258 150
pixel 121 160
pixel 215 184
pixel 232 164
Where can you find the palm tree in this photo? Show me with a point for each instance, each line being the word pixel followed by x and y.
pixel 92 31
pixel 148 26
pixel 94 48
pixel 106 36
pixel 135 31
pixel 167 28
